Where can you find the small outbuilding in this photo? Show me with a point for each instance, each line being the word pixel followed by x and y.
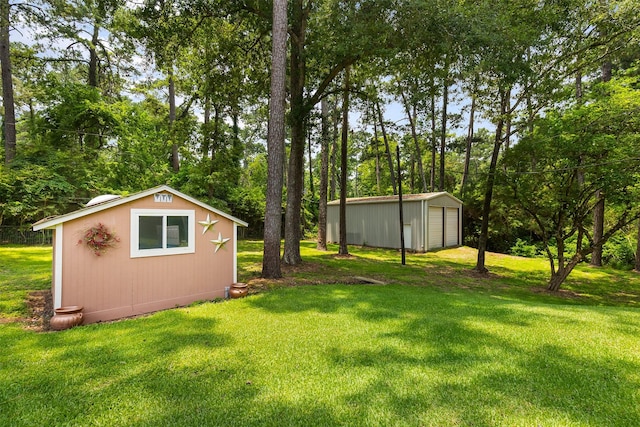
pixel 153 250
pixel 430 221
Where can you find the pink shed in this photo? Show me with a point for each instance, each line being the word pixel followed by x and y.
pixel 167 249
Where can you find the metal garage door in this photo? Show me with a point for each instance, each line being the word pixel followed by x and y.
pixel 452 227
pixel 436 225
pixel 406 231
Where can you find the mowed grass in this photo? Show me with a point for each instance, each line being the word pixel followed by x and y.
pixel 452 269
pixel 22 270
pixel 437 346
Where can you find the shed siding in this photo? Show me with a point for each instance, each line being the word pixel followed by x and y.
pixel 376 223
pixel 114 285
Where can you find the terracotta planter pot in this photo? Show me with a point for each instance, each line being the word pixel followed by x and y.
pixel 238 290
pixel 66 317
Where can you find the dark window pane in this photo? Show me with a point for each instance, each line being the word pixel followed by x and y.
pixel 150 232
pixel 177 231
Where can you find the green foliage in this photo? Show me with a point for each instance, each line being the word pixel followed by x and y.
pixel 33 192
pixel 554 173
pixel 248 203
pixel 524 249
pixel 619 252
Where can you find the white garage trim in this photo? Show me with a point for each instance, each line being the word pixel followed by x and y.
pixel 57 277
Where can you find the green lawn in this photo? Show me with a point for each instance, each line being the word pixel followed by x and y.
pixel 22 270
pixel 451 269
pixel 437 346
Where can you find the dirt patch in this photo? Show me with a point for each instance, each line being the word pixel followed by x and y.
pixel 296 276
pixel 40 306
pixel 562 293
pixel 303 267
pixel 347 256
pixel 479 275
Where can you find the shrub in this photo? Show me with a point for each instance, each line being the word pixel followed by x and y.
pixel 524 248
pixel 618 252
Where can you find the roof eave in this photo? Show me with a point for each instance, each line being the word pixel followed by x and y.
pixel 394 199
pixel 53 222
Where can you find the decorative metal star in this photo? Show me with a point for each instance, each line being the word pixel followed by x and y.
pixel 207 224
pixel 219 242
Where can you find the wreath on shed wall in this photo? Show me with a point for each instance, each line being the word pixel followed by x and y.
pixel 99 238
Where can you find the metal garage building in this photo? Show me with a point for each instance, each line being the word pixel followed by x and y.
pixel 431 221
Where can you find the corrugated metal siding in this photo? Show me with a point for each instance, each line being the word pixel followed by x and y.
pixel 377 223
pixel 373 225
pixel 333 224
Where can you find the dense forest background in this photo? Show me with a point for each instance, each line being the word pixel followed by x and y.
pixel 528 111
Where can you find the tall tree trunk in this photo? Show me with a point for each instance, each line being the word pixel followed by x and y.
pixel 606 71
pixel 414 136
pixel 175 157
pixel 467 152
pixel 387 149
pixel 434 149
pixel 528 98
pixel 215 141
pixel 91 140
pixel 443 131
pixel 311 189
pixel 7 85
pixel 579 86
pixel 295 176
pixel 333 169
pixel 486 208
pixel 324 172
pixel 237 152
pixel 344 250
pixel 598 210
pixel 400 207
pixel 275 144
pixel 215 136
pixel 637 263
pixel 507 123
pixel 598 229
pixel 93 56
pixel 376 143
pixel 206 137
pixel 412 176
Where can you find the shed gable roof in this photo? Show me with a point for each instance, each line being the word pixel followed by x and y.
pixel 56 220
pixel 394 199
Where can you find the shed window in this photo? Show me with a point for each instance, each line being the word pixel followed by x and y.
pixel 162 232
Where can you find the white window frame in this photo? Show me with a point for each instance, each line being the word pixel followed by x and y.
pixel 164 213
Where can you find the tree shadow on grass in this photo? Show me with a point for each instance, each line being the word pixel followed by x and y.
pixel 546 386
pixel 395 355
pixel 77 379
pixel 446 360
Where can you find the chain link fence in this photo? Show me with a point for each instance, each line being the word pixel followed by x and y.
pixel 20 236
